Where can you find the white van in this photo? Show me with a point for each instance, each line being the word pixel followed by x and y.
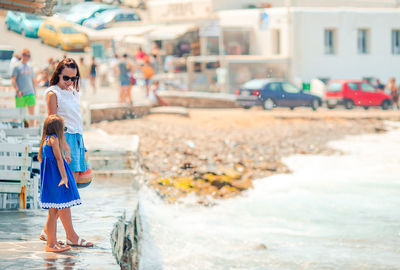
pixel 6 53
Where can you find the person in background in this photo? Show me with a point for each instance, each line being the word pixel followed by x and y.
pixel 140 56
pixel 93 74
pixel 23 81
pixel 123 71
pixel 156 58
pixel 154 95
pixel 148 73
pixel 394 92
pixel 14 60
pixel 84 72
pixel 379 85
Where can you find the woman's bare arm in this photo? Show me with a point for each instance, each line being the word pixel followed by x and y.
pixel 51 102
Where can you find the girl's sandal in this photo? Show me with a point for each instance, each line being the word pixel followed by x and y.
pixel 56 248
pixel 43 237
pixel 81 243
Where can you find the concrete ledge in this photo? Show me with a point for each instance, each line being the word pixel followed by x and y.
pixel 110 112
pixel 199 99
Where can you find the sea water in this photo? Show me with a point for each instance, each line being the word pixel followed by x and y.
pixel 332 212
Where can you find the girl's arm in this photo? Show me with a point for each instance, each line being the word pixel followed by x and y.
pixel 60 163
pixel 51 102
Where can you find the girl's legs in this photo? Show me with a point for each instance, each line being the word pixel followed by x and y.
pixel 51 225
pixel 66 220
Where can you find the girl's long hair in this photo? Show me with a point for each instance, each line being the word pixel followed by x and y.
pixel 54 124
pixel 65 63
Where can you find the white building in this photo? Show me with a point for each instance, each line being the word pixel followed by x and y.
pixel 324 43
pixel 290 38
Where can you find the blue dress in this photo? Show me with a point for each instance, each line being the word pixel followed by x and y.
pixel 52 195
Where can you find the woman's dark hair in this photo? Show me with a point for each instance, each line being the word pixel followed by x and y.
pixel 53 125
pixel 65 63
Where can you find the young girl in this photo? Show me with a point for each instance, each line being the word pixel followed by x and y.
pixel 57 185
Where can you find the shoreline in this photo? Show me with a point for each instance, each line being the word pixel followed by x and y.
pixel 177 151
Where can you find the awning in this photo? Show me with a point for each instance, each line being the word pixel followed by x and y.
pixel 108 34
pixel 41 7
pixel 130 40
pixel 171 31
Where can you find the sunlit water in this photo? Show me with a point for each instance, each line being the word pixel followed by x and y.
pixel 332 212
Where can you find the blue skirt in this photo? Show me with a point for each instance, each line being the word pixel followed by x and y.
pixel 75 143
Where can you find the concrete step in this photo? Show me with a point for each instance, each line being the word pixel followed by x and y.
pixel 113 162
pixel 170 110
pixel 130 174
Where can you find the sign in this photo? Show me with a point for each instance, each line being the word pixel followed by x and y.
pixel 264 20
pixel 174 10
pixel 210 29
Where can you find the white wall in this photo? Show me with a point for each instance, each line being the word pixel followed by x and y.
pixel 260 38
pixel 309 60
pixel 240 4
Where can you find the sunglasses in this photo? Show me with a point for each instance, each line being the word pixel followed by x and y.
pixel 27 55
pixel 67 78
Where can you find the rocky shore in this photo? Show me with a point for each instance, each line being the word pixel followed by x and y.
pixel 219 152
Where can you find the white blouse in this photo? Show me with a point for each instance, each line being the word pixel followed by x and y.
pixel 68 106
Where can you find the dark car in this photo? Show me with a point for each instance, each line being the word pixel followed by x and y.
pixel 270 93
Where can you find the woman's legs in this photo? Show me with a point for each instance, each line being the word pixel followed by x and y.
pixel 121 94
pixel 128 93
pixel 93 83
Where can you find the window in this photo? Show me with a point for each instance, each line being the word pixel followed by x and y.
pixel 289 88
pixel 330 41
pixel 363 41
pixel 367 87
pixel 274 87
pixel 335 87
pixel 276 39
pixel 236 41
pixel 50 27
pixel 353 86
pixel 255 84
pixel 395 41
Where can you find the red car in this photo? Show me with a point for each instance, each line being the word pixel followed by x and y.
pixel 352 93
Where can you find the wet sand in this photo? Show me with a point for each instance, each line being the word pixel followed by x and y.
pixel 103 202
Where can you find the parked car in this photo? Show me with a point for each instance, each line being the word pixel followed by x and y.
pixel 352 93
pixel 6 53
pixel 110 18
pixel 62 34
pixel 86 10
pixel 270 93
pixel 24 23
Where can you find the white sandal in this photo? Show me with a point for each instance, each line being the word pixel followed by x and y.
pixel 43 237
pixel 81 243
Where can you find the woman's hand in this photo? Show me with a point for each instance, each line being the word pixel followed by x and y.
pixel 64 181
pixel 68 155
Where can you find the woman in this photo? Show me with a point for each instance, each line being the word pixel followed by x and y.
pixel 123 71
pixel 62 98
pixel 394 92
pixel 93 74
